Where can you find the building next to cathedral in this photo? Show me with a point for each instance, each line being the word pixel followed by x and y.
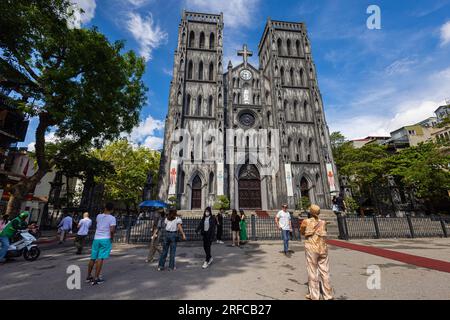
pixel 255 134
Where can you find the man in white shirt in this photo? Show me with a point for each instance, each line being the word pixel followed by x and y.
pixel 284 223
pixel 83 231
pixel 102 244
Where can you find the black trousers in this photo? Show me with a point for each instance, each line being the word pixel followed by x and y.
pixel 207 246
pixel 219 233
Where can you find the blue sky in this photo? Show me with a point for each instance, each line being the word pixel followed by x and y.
pixel 372 81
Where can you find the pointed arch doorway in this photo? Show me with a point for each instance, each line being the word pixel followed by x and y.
pixel 304 189
pixel 196 201
pixel 249 188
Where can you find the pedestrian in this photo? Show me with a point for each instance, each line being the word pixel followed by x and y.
pixel 219 220
pixel 174 224
pixel 335 206
pixel 83 231
pixel 243 227
pixel 316 250
pixel 284 223
pixel 102 244
pixel 235 228
pixel 207 228
pixel 341 206
pixel 3 222
pixel 16 224
pixel 158 225
pixel 65 227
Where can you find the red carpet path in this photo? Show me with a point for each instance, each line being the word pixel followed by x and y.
pixel 434 264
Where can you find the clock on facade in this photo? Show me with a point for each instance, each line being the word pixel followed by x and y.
pixel 246 75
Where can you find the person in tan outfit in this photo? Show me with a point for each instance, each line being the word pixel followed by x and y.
pixel 316 251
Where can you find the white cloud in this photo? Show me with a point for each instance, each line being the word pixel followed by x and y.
pixel 80 18
pixel 400 66
pixel 146 33
pixel 50 137
pixel 399 107
pixel 237 13
pixel 445 33
pixel 139 3
pixel 145 133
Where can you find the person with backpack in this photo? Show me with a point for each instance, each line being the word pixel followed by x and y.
pixel 207 228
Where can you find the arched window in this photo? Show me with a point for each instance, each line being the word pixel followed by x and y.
pixel 200 71
pixel 288 47
pixel 234 82
pixel 181 182
pixel 188 104
pixel 210 106
pixel 190 69
pixel 299 149
pixel 286 108
pixel 302 77
pixel 306 111
pixel 258 100
pixel 211 72
pixel 294 111
pixel 289 148
pixel 291 76
pixel 192 39
pixel 280 46
pixel 198 110
pixel 254 99
pixel 282 76
pixel 239 98
pixel 238 82
pixel 179 98
pixel 211 183
pixel 212 40
pixel 297 47
pixel 310 150
pixel 234 98
pixel 201 44
pixel 269 118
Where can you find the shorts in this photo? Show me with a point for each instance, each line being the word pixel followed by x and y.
pixel 101 248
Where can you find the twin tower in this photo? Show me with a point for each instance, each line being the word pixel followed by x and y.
pixel 255 134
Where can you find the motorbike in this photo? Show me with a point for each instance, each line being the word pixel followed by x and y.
pixel 23 246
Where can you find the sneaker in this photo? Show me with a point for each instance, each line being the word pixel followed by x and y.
pixel 89 279
pixel 205 265
pixel 217 241
pixel 221 242
pixel 97 282
pixel 160 269
pixel 210 261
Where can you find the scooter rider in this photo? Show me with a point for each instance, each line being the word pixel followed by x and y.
pixel 19 223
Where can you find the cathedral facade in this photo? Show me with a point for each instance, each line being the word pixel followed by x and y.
pixel 254 134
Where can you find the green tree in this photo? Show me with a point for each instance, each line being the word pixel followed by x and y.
pixel 131 167
pixel 425 170
pixel 222 203
pixel 72 81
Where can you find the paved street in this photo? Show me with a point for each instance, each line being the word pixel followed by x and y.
pixel 257 271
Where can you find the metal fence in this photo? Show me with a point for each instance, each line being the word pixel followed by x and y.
pixel 385 227
pixel 131 230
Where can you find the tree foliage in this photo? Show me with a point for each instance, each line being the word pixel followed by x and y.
pixel 131 167
pixel 72 81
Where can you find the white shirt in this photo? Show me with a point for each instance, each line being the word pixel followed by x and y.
pixel 172 226
pixel 283 220
pixel 104 224
pixel 83 226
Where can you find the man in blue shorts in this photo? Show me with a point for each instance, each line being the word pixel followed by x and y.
pixel 102 245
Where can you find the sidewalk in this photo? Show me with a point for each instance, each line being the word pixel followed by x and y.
pixel 257 271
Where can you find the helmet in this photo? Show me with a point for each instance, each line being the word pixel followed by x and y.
pixel 24 215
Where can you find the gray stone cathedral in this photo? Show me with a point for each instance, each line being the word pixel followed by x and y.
pixel 280 96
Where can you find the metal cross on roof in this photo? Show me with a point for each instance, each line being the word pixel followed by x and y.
pixel 245 53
